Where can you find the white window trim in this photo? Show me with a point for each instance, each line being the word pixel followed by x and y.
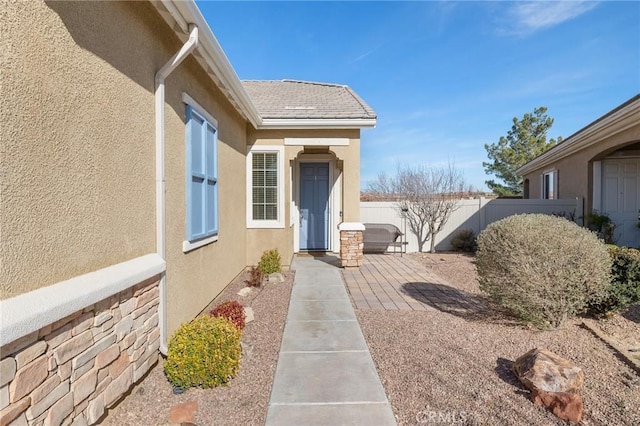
pixel 316 141
pixel 553 172
pixel 266 224
pixel 188 100
pixel 187 246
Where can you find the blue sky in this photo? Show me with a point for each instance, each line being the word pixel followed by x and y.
pixel 444 77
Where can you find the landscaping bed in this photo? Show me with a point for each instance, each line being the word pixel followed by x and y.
pixel 244 400
pixel 436 365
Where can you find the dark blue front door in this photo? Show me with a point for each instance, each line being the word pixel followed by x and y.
pixel 314 206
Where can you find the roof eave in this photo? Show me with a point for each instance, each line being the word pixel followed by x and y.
pixel 317 123
pixel 209 54
pixel 610 124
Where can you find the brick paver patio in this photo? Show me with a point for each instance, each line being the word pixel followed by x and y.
pixel 392 282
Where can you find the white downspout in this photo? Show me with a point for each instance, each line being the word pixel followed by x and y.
pixel 164 72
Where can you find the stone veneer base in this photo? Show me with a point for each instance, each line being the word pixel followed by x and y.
pixel 72 370
pixel 351 246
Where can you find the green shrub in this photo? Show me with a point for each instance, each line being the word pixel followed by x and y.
pixel 464 240
pixel 543 268
pixel 205 352
pixel 270 262
pixel 233 311
pixel 602 224
pixel 625 281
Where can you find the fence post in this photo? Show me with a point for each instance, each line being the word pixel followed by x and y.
pixel 580 211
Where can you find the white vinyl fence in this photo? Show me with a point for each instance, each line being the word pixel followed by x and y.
pixel 473 214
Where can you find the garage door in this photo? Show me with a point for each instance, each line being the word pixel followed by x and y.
pixel 621 198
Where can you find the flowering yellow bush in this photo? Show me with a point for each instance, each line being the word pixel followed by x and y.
pixel 205 352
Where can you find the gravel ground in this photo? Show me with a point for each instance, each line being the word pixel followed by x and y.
pixel 437 367
pixel 245 399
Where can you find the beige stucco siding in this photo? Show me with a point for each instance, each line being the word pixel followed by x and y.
pixel 575 171
pixel 77 125
pixel 196 277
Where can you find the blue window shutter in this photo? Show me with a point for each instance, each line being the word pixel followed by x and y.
pixel 202 181
pixel 211 196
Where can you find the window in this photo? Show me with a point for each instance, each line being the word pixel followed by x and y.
pixel 550 185
pixel 265 179
pixel 202 177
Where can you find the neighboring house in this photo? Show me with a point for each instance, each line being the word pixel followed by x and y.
pixel 601 164
pixel 139 176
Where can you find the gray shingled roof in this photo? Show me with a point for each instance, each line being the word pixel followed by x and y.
pixel 294 99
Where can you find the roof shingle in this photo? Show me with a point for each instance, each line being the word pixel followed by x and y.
pixel 292 99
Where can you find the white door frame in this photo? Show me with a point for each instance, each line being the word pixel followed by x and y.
pixel 335 178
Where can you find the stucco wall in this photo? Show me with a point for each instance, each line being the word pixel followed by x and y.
pixel 77 109
pixel 575 174
pixel 196 277
pixel 78 125
pixel 259 240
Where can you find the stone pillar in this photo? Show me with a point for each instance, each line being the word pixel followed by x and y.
pixel 351 244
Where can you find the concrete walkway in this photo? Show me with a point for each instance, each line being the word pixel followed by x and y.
pixel 325 374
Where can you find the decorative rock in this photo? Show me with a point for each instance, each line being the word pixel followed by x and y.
pixel 59 411
pixel 4 397
pixel 107 356
pixel 128 340
pixel 45 389
pixel 147 297
pixel 91 353
pixel 28 378
pixel 102 318
pixel 80 421
pixel 542 369
pixel 59 336
pixel 247 349
pixel 118 387
pixel 245 291
pixel 82 323
pixel 567 406
pixel 73 347
pixel 21 420
pixel 142 370
pixel 64 370
pixel 117 367
pixel 8 414
pixel 95 410
pixel 248 315
pixel 128 306
pixel 7 370
pixel 123 327
pixel 183 413
pixel 276 277
pixel 36 409
pixel 84 386
pixel 16 345
pixel 30 353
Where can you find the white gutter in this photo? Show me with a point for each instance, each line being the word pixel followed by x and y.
pixel 216 59
pixel 164 72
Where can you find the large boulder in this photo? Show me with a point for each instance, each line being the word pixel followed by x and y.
pixel 543 370
pixel 564 405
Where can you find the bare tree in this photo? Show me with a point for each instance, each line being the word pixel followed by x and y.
pixel 426 196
